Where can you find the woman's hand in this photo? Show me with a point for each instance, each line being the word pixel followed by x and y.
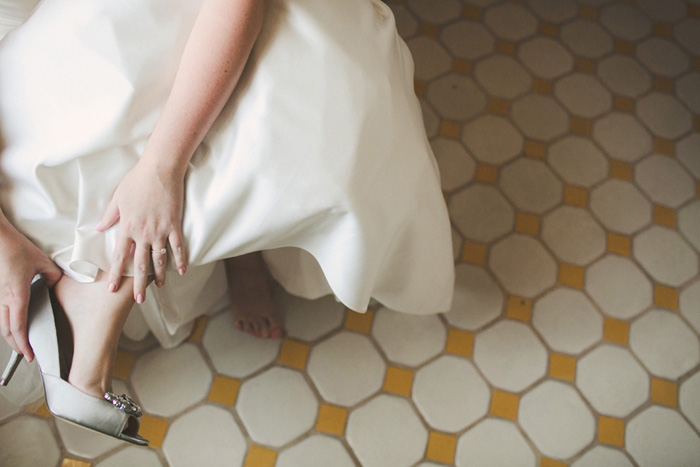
pixel 20 261
pixel 148 204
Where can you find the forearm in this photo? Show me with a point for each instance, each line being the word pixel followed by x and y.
pixel 212 62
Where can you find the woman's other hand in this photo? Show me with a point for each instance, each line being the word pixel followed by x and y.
pixel 148 205
pixel 20 261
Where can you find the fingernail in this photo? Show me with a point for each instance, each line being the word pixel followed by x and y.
pixel 159 284
pixel 139 298
pixel 181 271
pixel 112 287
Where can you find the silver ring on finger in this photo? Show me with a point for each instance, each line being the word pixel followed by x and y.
pixel 162 251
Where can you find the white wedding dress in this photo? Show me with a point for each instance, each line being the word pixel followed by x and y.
pixel 320 157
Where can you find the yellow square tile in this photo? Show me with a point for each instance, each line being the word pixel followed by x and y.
pixel 259 456
pixel 571 275
pixel 441 448
pixel 588 12
pixel 519 308
pixel 429 30
pixel 562 367
pixel 576 196
pixel 43 411
pixel 624 104
pixel 450 129
pixel 294 354
pixel 663 84
pixel 462 66
pixel 398 381
pixel 541 86
pixel 664 146
pixel 419 87
pixel 549 29
pixel 123 364
pixel 474 253
pixel 154 430
pixel 331 419
pixel 504 405
pixel 616 331
pixel 664 393
pixel 619 244
pixel 661 30
pixel 460 343
pixel 585 65
pixel 611 431
pixel 499 106
pixel 580 126
pixel 620 170
pixel 544 462
pixel 487 173
pixel 472 12
pixel 664 216
pixel 535 149
pixel 198 329
pixel 624 47
pixel 527 223
pixel 224 390
pixel 505 47
pixel 68 462
pixel 360 322
pixel 694 11
pixel 666 297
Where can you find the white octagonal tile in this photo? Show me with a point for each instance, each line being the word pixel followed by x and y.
pixel 492 139
pixel 660 436
pixel 484 445
pixel 687 151
pixel 456 97
pixel 510 355
pixel 205 436
pixel 456 165
pixel 567 321
pixel 478 300
pixel 277 406
pixel 554 11
pixel 619 287
pixel 346 368
pixel 316 450
pixel 687 33
pixel 468 40
pixel 665 255
pixel 625 21
pixel 624 75
pixel 545 57
pixel 688 89
pixel 510 21
pixel 690 304
pixel 662 57
pixel 583 95
pixel 481 213
pixel 602 455
pixel 408 339
pixel 573 235
pixel 392 420
pixel 586 38
pixel 620 206
pixel 430 118
pixel 664 181
pixel 540 117
pixel 429 58
pixel 131 456
pixel 84 442
pixel 622 137
pixel 612 381
pixel 668 11
pixel 664 115
pixel 439 390
pixel 523 265
pixel 181 373
pixel 436 11
pixel 307 320
pixel 689 223
pixel 502 76
pixel 556 419
pixel 578 161
pixel 664 344
pixel 406 24
pixel 531 186
pixel 28 441
pixel 236 353
pixel 689 399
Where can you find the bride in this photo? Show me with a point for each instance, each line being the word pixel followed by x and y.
pixel 144 141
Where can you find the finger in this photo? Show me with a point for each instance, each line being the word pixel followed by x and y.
pixel 141 261
pixel 160 258
pixel 5 327
pixel 121 253
pixel 18 323
pixel 178 249
pixel 110 216
pixel 50 272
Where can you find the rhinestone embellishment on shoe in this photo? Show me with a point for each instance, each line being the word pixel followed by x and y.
pixel 124 403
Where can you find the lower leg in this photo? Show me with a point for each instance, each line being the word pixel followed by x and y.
pixel 96 318
pixel 251 300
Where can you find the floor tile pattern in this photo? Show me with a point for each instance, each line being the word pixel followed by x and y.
pixel 567 133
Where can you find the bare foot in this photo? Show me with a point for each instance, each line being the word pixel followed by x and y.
pixel 252 307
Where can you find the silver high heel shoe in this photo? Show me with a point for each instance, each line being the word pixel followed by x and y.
pixel 117 416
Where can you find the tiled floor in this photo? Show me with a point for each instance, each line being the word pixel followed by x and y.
pixel 568 136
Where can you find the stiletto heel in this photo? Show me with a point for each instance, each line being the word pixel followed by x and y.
pixel 114 415
pixel 10 369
